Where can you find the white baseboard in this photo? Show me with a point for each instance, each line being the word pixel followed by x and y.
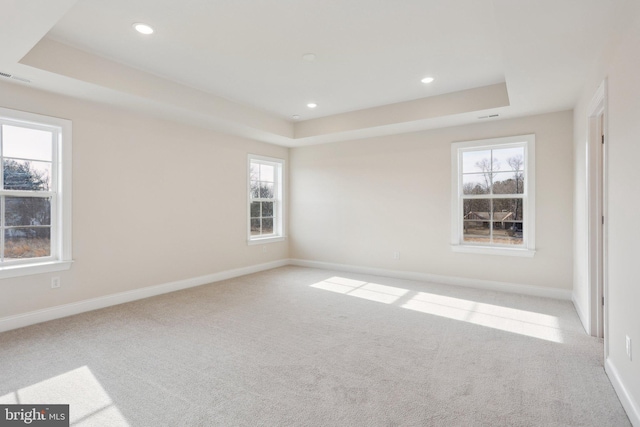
pixel 57 312
pixel 628 403
pixel 562 294
pixel 582 315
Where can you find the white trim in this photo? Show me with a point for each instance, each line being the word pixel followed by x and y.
pixel 528 196
pixel 279 200
pixel 17 270
pixel 597 102
pixel 60 311
pixel 61 203
pixel 628 403
pixel 65 168
pixel 561 294
pixel 596 322
pixel 582 314
pixel 493 250
pixel 274 160
pixel 32 119
pixel 57 312
pixel 262 240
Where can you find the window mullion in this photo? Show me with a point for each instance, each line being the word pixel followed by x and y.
pixel 491 221
pixel 27 193
pixel 492 196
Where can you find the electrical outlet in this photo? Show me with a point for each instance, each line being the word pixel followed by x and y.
pixel 55 283
pixel 629 347
pixel 396 255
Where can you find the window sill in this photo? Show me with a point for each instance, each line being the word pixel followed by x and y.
pixel 36 268
pixel 261 240
pixel 488 250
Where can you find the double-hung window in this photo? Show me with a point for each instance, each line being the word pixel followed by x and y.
pixel 265 199
pixel 493 196
pixel 35 193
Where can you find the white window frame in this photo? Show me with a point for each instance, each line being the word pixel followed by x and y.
pixel 278 199
pixel 527 249
pixel 60 257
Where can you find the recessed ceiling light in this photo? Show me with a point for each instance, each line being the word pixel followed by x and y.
pixel 310 57
pixel 143 28
pixel 295 117
pixel 427 80
pixel 312 105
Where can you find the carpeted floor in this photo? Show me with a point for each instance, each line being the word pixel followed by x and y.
pixel 306 347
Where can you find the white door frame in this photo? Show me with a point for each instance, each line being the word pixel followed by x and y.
pixel 597 143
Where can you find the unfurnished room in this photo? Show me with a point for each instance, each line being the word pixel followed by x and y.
pixel 319 213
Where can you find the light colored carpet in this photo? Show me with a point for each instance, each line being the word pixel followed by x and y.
pixel 306 347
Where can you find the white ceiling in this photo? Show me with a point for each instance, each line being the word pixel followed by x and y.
pixel 237 65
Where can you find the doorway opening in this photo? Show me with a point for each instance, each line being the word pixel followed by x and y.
pixel 596 204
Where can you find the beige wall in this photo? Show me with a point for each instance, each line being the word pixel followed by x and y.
pixel 620 67
pixel 153 202
pixel 356 202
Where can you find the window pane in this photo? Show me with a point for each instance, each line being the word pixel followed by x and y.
pixel 509 158
pixel 267 226
pixel 507 209
pixel 477 231
pixel 475 183
pixel 27 242
pixel 255 227
pixel 477 209
pixel 27 211
pixel 266 190
pixel 507 221
pixel 508 183
pixel 26 175
pixel 255 209
pixel 473 161
pixel 267 173
pixel 254 172
pixel 507 233
pixel 515 232
pixel 267 209
pixel 26 143
pixel 477 220
pixel 255 189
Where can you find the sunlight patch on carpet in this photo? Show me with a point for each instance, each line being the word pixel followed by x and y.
pixel 364 290
pixel 89 404
pixel 528 323
pixel 506 319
